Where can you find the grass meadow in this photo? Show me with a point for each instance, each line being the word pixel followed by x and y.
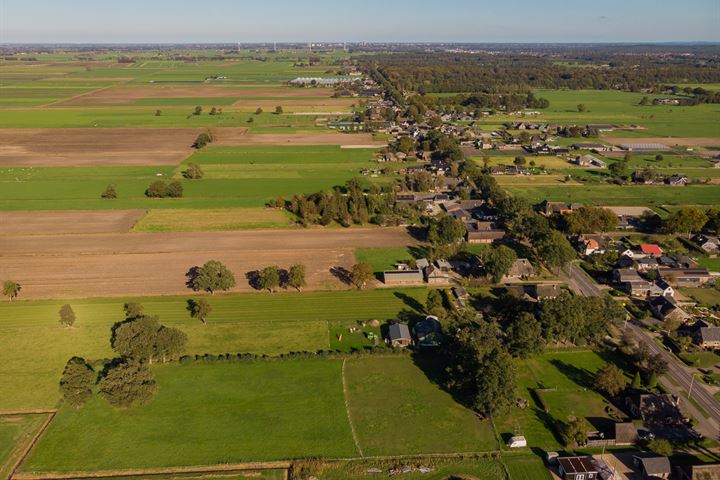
pixel 265 410
pixel 34 346
pixel 234 177
pixel 16 431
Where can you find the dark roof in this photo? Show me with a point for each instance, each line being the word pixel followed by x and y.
pixel 625 432
pixel 577 464
pixel 399 331
pixel 654 465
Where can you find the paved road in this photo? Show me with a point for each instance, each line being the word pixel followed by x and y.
pixel 582 284
pixel 682 376
pixel 579 281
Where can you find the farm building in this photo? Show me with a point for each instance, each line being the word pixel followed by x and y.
pixel 435 276
pixel 399 335
pixel 521 268
pixel 403 277
pixel 652 466
pixel 483 232
pixel 590 161
pixel 644 147
pixel 577 468
pixel 304 81
pixel 685 277
pixel 703 334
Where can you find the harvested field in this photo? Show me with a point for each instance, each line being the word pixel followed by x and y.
pixel 129 95
pixel 237 136
pixel 112 264
pixel 68 222
pixel 61 147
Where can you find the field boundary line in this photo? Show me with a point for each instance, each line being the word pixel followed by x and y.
pixel 347 411
pixel 31 444
pixel 230 467
pixel 44 411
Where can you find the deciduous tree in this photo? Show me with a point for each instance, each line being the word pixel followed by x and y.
pixel 296 276
pixel 76 382
pixel 11 289
pixel 610 380
pixel 211 277
pixel 269 278
pixel 524 336
pixel 127 383
pixel 200 309
pixel 360 274
pixel 67 316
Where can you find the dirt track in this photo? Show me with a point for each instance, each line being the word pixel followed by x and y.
pixel 104 146
pixel 228 136
pixel 68 222
pixel 74 266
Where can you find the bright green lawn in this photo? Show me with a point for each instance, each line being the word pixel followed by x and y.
pixel 397 410
pixel 216 413
pixel 704 296
pixel 34 347
pixel 525 467
pixel 605 194
pixel 712 264
pixel 382 258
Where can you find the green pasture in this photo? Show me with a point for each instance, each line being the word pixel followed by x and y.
pixel 569 374
pixel 614 107
pixel 712 264
pixel 525 467
pixel 268 410
pixel 34 347
pixel 234 177
pixel 16 431
pixel 627 195
pixel 383 258
pixel 397 409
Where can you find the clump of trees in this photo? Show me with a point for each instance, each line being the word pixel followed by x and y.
pixel 609 380
pixel 203 139
pixel 77 381
pixel 588 219
pixel 110 192
pixel 162 189
pixel 211 277
pixel 144 339
pixel 577 319
pixel 11 289
pixel 67 316
pixel 193 172
pixel 497 261
pixel 127 383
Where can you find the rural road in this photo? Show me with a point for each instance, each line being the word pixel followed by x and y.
pixel 682 375
pixel 579 281
pixel 130 264
pixel 582 284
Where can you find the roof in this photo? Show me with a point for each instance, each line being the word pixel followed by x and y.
pixel 399 331
pixel 651 249
pixel 403 274
pixel 521 268
pixel 644 146
pixel 654 465
pixel 625 432
pixel 709 334
pixel 577 464
pixel 684 272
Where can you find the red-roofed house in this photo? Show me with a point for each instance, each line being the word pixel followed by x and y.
pixel 651 249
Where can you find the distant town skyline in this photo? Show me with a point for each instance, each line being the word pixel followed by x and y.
pixel 184 21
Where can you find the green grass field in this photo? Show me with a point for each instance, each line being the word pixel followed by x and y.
pixel 234 177
pixel 265 410
pixel 571 374
pixel 605 194
pixel 525 467
pixel 712 264
pixel 704 296
pixel 34 347
pixel 240 412
pixel 397 410
pixel 382 258
pixel 16 431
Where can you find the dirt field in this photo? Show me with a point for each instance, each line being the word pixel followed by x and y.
pixel 97 147
pixel 297 104
pixel 236 136
pixel 75 266
pixel 125 94
pixel 68 222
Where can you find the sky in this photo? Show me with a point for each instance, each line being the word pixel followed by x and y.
pixel 193 21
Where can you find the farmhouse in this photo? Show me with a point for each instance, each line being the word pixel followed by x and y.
pixel 651 249
pixel 403 277
pixel 483 232
pixel 590 161
pixel 521 268
pixel 685 277
pixel 577 468
pixel 666 308
pixel 710 244
pixel 435 276
pixel 541 291
pixel 652 466
pixel 548 208
pixel 676 180
pixel 703 334
pixel 399 335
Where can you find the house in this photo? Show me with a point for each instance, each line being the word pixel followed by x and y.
pixel 548 208
pixel 666 308
pixel 592 244
pixel 399 335
pixel 435 276
pixel 521 268
pixel 422 263
pixel 647 263
pixel 704 334
pixel 625 433
pixel 543 290
pixel 428 332
pixel 651 249
pixel 577 468
pixel 443 265
pixel 403 277
pixel 517 441
pixel 685 277
pixel 590 161
pixel 707 243
pixel 668 291
pixel 676 180
pixel 461 297
pixel 652 466
pixel 483 232
pixel 630 281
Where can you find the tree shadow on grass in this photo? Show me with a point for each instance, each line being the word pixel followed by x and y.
pixel 410 302
pixel 342 274
pixel 580 376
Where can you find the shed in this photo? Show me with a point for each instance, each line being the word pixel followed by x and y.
pixel 577 468
pixel 399 335
pixel 653 466
pixel 402 277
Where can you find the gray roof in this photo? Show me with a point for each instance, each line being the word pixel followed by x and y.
pixel 710 334
pixel 403 274
pixel 399 331
pixel 655 465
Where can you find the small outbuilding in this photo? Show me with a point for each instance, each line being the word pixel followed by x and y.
pixel 577 468
pixel 399 335
pixel 517 441
pixel 653 466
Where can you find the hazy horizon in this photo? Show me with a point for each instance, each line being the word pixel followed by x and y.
pixel 421 21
